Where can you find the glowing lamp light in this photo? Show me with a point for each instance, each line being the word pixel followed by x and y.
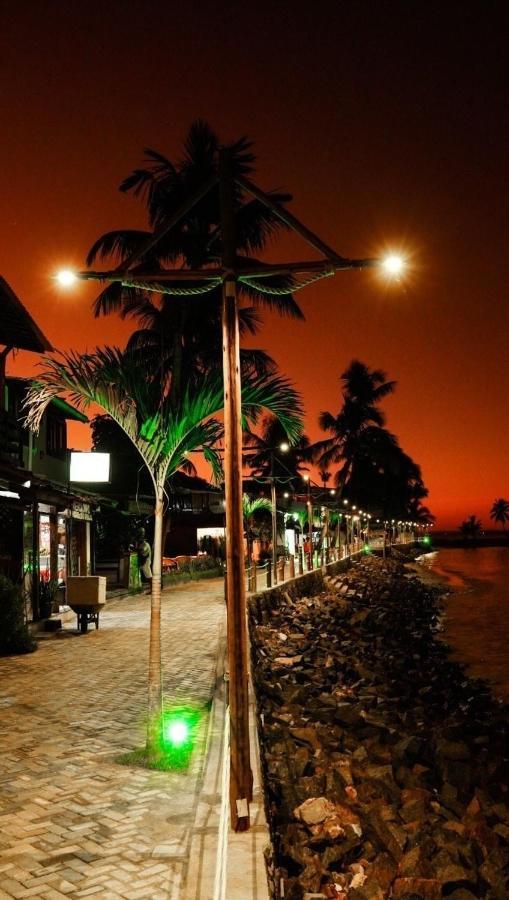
pixel 66 277
pixel 177 732
pixel 284 447
pixel 393 265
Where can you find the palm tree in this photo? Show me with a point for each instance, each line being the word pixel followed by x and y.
pixel 182 333
pixel 500 511
pixel 325 476
pixel 363 389
pixel 251 510
pixel 267 460
pixel 471 528
pixel 163 432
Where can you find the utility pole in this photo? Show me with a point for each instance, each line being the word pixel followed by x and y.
pixel 241 779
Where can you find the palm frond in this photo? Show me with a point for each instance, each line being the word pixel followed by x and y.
pixel 118 244
pixel 277 396
pixel 113 298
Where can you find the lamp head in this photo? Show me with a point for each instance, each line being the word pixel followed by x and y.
pixel 393 265
pixel 66 277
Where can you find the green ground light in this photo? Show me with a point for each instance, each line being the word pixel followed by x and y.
pixel 426 539
pixel 367 548
pixel 179 732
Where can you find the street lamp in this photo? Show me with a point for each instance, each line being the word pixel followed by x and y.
pixel 393 265
pixel 229 275
pixel 66 277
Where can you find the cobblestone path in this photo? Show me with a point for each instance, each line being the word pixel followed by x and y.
pixel 73 822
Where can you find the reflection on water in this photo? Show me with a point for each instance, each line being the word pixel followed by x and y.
pixel 477 609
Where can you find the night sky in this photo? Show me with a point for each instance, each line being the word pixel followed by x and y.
pixel 388 121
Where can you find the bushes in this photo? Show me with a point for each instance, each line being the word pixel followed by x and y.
pixel 14 634
pixel 196 569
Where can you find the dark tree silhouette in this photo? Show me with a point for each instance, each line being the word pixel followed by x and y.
pixel 374 471
pixel 178 334
pixel 500 511
pixel 471 528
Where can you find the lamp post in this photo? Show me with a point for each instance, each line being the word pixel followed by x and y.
pixel 284 447
pixel 228 274
pixel 309 506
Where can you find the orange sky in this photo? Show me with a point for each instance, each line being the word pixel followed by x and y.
pixel 389 124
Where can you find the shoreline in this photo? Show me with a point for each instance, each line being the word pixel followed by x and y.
pixel 463 598
pixel 383 761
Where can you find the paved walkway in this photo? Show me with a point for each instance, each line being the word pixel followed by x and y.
pixel 73 822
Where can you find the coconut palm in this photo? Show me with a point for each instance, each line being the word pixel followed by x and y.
pixel 267 460
pixel 182 333
pixel 163 432
pixel 500 511
pixel 363 389
pixel 251 510
pixel 471 528
pixel 325 475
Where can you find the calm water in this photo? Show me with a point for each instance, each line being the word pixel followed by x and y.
pixel 477 609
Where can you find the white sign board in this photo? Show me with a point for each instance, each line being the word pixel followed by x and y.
pixel 92 467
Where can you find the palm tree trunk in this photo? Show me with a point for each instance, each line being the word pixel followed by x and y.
pixel 155 681
pixel 177 358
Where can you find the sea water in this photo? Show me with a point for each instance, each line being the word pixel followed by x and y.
pixel 476 620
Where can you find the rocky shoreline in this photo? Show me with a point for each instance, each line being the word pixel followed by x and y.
pixel 385 766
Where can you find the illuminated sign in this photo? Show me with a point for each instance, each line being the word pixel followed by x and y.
pixel 93 467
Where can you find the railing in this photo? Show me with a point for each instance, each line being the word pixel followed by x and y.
pixel 260 576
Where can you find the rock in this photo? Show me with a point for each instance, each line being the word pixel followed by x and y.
pixel 368 891
pixel 422 888
pixel 287 660
pixel 462 894
pixel 391 836
pixel 306 735
pixel 377 741
pixel 347 713
pixel 314 810
pixel 503 831
pixel 498 882
pixel 382 871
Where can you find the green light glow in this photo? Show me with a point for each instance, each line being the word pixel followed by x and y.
pixel 367 548
pixel 177 733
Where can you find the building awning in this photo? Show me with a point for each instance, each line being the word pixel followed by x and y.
pixel 32 488
pixel 17 328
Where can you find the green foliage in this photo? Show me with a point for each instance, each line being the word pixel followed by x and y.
pixel 14 634
pixel 112 380
pixel 194 570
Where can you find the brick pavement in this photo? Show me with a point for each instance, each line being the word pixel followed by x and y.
pixel 73 822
